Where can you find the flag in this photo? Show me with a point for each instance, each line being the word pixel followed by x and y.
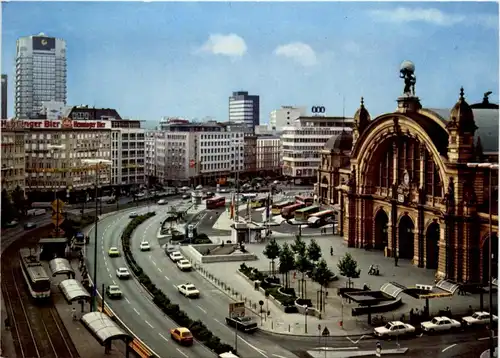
pixel 231 207
pixel 268 207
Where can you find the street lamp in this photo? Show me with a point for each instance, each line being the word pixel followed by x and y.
pixel 491 167
pixel 53 148
pixel 98 163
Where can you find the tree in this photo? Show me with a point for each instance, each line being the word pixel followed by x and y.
pixel 303 265
pixel 314 251
pixel 287 263
pixel 322 275
pixel 7 208
pixel 348 267
pixel 272 251
pixel 18 200
pixel 299 246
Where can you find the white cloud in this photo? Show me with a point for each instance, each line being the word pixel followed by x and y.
pixel 430 15
pixel 299 52
pixel 230 45
pixel 352 47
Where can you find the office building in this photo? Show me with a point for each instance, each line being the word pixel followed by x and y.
pixel 285 117
pixel 244 108
pixel 4 89
pixel 40 74
pixel 269 156
pixel 13 156
pixel 303 142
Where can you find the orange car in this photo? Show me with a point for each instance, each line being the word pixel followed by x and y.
pixel 182 335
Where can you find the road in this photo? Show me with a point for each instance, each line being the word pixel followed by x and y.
pixel 136 310
pixel 12 234
pixel 211 308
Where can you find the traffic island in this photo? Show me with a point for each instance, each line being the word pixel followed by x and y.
pixel 210 253
pixel 171 309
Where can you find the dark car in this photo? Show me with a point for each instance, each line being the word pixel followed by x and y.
pixel 29 226
pixel 244 324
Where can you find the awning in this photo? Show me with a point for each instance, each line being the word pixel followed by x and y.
pixel 103 328
pixel 73 290
pixel 448 286
pixel 60 266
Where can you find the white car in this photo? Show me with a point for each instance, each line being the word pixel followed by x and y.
pixel 184 265
pixel 145 246
pixel 479 318
pixel 176 256
pixel 133 215
pixel 394 328
pixel 122 273
pixel 439 324
pixel 188 290
pixel 162 202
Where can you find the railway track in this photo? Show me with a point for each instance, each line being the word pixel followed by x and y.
pixel 37 329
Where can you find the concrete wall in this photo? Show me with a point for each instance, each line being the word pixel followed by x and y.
pixel 192 253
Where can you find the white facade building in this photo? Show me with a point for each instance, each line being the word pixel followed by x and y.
pixel 303 141
pixel 40 73
pixel 150 152
pixel 268 152
pixel 285 117
pixel 246 108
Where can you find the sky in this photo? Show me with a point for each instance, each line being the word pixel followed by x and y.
pixel 150 59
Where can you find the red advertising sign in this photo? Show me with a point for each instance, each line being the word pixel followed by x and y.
pixel 192 163
pixel 65 123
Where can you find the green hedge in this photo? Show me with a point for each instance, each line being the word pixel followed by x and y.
pixel 197 328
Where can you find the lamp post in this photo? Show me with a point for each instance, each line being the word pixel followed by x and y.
pixel 98 163
pixel 491 167
pixel 53 148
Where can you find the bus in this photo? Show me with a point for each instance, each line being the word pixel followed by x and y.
pixel 276 208
pixel 260 202
pixel 304 213
pixel 246 197
pixel 321 218
pixel 287 211
pixel 218 202
pixel 308 200
pixel 34 274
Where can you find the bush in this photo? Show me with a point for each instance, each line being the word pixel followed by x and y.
pixel 197 328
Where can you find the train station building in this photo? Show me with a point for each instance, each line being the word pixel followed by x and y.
pixel 404 184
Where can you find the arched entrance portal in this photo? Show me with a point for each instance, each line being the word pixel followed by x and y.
pixel 381 225
pixel 432 246
pixel 494 261
pixel 405 236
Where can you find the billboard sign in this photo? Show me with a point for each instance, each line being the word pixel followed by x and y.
pixel 65 123
pixel 42 43
pixel 318 109
pixel 237 309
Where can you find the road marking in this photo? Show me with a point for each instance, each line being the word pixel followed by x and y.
pixel 275 355
pixel 258 350
pixel 444 350
pixel 114 283
pixel 110 276
pixel 136 311
pixel 149 324
pixel 107 268
pixel 126 299
pixel 106 262
pixel 181 352
pixel 167 278
pixel 485 338
pixel 356 342
pixel 162 336
pixel 336 348
pixel 201 308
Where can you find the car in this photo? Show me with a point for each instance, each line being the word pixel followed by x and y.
pixel 478 318
pixel 176 256
pixel 113 252
pixel 169 248
pixel 133 215
pixel 188 290
pixel 394 328
pixel 12 223
pixel 122 273
pixel 182 335
pixel 145 246
pixel 245 324
pixel 184 265
pixel 439 324
pixel 186 196
pixel 29 226
pixel 162 202
pixel 113 292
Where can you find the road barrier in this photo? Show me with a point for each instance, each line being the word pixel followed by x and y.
pixel 140 349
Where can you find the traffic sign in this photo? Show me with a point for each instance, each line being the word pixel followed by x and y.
pixel 325 332
pixel 57 205
pixel 57 219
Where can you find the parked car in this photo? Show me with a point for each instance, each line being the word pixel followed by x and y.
pixel 440 324
pixel 244 324
pixel 29 226
pixel 113 252
pixel 184 265
pixel 122 273
pixel 162 202
pixel 12 223
pixel 394 328
pixel 182 335
pixel 189 290
pixel 133 215
pixel 145 246
pixel 478 318
pixel 113 292
pixel 176 256
pixel 169 248
pixel 186 196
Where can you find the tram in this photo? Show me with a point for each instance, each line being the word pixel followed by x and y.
pixel 34 274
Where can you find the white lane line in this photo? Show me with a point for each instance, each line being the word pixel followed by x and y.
pixel 167 278
pixel 107 268
pixel 181 352
pixel 149 324
pixel 106 262
pixel 114 283
pixel 201 308
pixel 154 263
pixel 449 347
pixel 275 355
pixel 110 276
pixel 126 299
pixel 136 311
pixel 258 350
pixel 485 338
pixel 159 269
pixel 162 336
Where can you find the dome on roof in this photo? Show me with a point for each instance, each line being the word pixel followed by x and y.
pixel 362 116
pixel 340 143
pixel 462 116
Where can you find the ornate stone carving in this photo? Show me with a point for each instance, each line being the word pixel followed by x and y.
pixel 449 197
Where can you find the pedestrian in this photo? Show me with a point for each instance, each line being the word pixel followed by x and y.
pixel 396 258
pixel 73 313
pixel 470 311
